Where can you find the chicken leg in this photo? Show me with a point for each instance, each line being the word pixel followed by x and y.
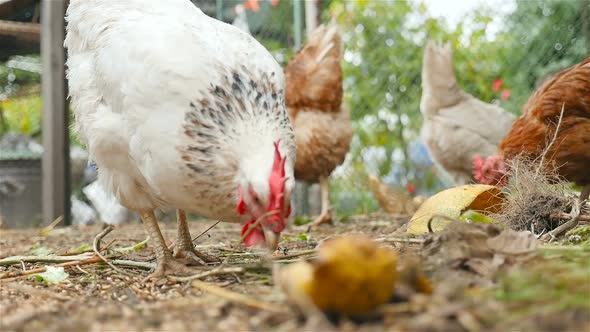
pixel 166 264
pixel 184 249
pixel 325 216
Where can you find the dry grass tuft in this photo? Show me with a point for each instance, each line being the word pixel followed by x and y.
pixel 533 196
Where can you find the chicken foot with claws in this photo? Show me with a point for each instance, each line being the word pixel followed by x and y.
pixel 184 250
pixel 166 264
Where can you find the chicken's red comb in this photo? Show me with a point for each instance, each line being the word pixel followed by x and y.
pixel 276 183
pixel 478 162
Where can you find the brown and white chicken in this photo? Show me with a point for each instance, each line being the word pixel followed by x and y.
pixel 181 110
pixel 321 121
pixel 456 125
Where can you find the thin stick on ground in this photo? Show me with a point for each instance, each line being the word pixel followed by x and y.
pixel 72 263
pixel 205 231
pixel 198 236
pixel 565 226
pixel 546 150
pixel 96 247
pixel 257 222
pixel 567 216
pixel 143 265
pixel 236 297
pixel 217 271
pixel 51 226
pixel 401 240
pixel 42 259
pixel 295 254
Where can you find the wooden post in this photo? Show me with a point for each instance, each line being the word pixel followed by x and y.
pixel 311 16
pixel 219 10
pixel 56 155
pixel 312 194
pixel 297 25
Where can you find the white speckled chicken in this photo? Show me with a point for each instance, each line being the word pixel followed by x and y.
pixel 456 125
pixel 181 110
pixel 323 130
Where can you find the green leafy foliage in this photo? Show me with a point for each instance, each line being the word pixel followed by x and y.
pixel 301 220
pixel 81 249
pixel 302 237
pixel 126 250
pixel 23 114
pixel 40 251
pixel 472 216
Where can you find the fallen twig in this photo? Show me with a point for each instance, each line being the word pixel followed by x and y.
pixel 217 271
pixel 401 240
pixel 567 216
pixel 42 259
pixel 205 231
pixel 96 247
pixel 565 226
pixel 295 254
pixel 143 265
pixel 51 226
pixel 82 270
pixel 257 222
pixel 69 263
pixel 236 297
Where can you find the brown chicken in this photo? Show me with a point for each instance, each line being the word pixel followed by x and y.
pixel 321 122
pixel 539 128
pixel 392 201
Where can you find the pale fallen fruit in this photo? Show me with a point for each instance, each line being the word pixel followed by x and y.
pixel 352 276
pixel 449 204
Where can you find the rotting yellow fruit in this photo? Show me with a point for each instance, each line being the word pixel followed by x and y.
pixel 451 203
pixel 352 276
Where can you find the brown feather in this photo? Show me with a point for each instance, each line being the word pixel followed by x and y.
pixel 321 122
pixel 314 75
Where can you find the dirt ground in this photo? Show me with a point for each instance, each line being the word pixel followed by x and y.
pixel 467 296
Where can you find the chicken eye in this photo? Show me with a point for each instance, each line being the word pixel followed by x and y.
pixel 254 195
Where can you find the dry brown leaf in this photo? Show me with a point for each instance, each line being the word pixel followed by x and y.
pixel 513 243
pixel 449 204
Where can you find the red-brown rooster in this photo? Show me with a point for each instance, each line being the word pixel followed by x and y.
pixel 555 121
pixel 323 131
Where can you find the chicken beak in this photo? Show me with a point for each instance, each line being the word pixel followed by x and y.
pixel 271 238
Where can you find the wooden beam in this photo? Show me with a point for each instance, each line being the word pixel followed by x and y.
pixel 20 30
pixel 56 155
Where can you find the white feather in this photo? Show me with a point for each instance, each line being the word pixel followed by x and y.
pixel 133 68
